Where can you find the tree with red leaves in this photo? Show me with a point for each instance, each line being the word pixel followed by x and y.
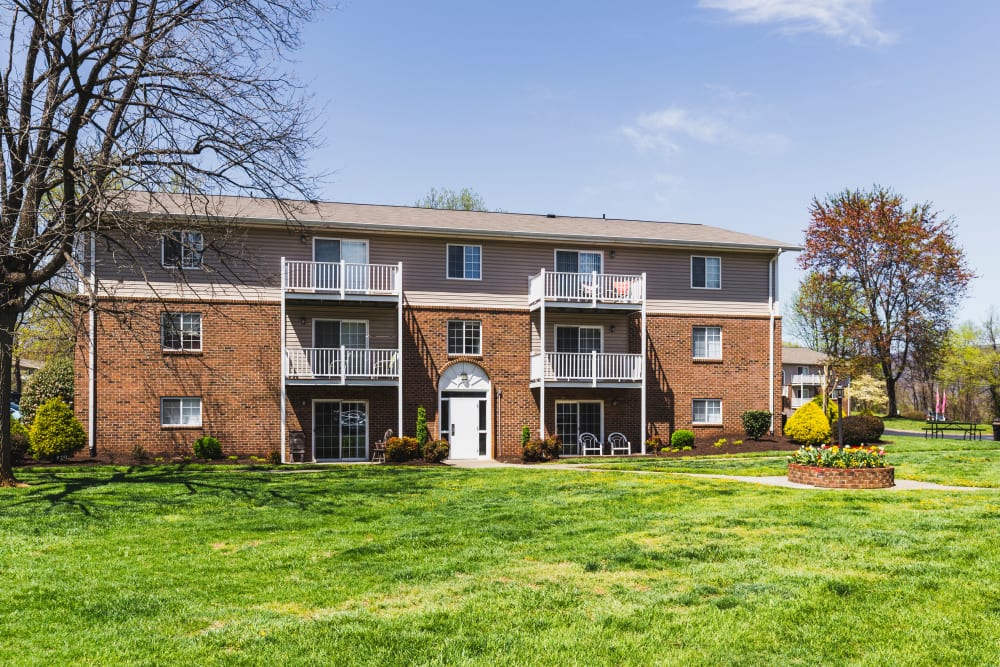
pixel 894 272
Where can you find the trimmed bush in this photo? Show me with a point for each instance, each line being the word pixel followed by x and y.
pixel 401 449
pixel 20 441
pixel 422 435
pixel 808 426
pixel 542 450
pixel 53 380
pixel 681 439
pixel 525 435
pixel 756 423
pixel 859 430
pixel 436 451
pixel 55 433
pixel 831 407
pixel 207 447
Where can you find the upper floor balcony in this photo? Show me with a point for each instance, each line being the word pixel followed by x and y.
pixel 587 290
pixel 342 365
pixel 341 280
pixel 586 369
pixel 807 379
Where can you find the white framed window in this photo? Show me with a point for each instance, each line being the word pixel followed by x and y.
pixel 579 261
pixel 706 411
pixel 465 262
pixel 180 331
pixel 334 333
pixel 706 272
pixel 579 339
pixel 340 430
pixel 182 249
pixel 706 342
pixel 465 337
pixel 180 411
pixel 576 417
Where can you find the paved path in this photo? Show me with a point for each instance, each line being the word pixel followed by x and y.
pixel 770 480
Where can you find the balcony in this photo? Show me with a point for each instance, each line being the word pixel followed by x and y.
pixel 814 380
pixel 342 280
pixel 589 290
pixel 586 369
pixel 342 365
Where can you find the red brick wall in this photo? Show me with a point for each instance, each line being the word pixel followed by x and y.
pixel 842 478
pixel 237 376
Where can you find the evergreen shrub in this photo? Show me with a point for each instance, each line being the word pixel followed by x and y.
pixel 756 423
pixel 207 447
pixel 809 426
pixel 681 439
pixel 55 433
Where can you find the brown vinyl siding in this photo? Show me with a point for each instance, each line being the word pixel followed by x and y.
pixel 616 342
pixel 382 323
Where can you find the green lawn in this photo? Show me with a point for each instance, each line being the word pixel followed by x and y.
pixel 952 462
pixel 380 565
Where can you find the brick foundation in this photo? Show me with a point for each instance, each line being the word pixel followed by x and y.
pixel 842 478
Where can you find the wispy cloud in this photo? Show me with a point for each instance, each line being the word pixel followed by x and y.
pixel 666 129
pixel 850 20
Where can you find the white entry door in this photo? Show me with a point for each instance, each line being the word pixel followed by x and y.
pixel 467 429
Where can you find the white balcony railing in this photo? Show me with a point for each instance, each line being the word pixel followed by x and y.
pixel 816 380
pixel 587 287
pixel 592 367
pixel 341 363
pixel 343 278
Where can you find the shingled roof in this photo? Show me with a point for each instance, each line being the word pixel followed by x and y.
pixel 416 220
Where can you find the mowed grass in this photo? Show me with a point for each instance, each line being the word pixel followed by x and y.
pixel 382 565
pixel 943 461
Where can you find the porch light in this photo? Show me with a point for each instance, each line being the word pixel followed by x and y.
pixel 611 328
pixel 463 378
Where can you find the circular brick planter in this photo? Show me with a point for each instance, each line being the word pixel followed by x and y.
pixel 842 478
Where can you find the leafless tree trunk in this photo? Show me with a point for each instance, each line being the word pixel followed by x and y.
pixel 100 99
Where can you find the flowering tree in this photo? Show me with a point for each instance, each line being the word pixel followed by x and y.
pixel 893 273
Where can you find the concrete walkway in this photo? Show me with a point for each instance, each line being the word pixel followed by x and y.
pixel 769 480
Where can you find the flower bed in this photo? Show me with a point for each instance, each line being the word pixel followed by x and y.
pixel 841 468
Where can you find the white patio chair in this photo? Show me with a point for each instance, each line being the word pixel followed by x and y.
pixel 589 444
pixel 619 444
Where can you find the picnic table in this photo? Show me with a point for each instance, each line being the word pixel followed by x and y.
pixel 938 428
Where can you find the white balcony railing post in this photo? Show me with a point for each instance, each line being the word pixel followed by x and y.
pixel 593 367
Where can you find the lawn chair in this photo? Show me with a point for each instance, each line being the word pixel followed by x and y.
pixel 589 444
pixel 619 444
pixel 378 451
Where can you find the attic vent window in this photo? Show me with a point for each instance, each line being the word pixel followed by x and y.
pixel 550 215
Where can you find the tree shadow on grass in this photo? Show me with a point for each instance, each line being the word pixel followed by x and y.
pixel 69 488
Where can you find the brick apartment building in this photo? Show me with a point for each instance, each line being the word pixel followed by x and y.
pixel 232 321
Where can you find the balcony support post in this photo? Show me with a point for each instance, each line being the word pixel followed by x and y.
pixel 642 369
pixel 399 351
pixel 284 361
pixel 541 386
pixel 593 288
pixel 593 368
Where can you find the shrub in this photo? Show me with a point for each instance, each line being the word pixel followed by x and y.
pixel 207 447
pixel 655 444
pixel 542 450
pixel 808 426
pixel 756 423
pixel 831 407
pixel 20 441
pixel 525 435
pixel 859 430
pixel 436 451
pixel 139 453
pixel 402 448
pixel 835 457
pixel 682 438
pixel 273 457
pixel 55 432
pixel 422 435
pixel 53 380
pixel 721 442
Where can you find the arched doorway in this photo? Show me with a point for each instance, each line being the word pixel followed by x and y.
pixel 464 410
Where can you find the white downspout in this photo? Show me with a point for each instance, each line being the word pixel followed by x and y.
pixel 92 361
pixel 642 337
pixel 772 305
pixel 399 352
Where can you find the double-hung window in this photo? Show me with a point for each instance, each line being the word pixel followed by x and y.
pixel 465 262
pixel 706 411
pixel 706 272
pixel 180 411
pixel 183 249
pixel 465 337
pixel 706 342
pixel 180 331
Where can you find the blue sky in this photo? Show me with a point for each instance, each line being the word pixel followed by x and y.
pixel 732 113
